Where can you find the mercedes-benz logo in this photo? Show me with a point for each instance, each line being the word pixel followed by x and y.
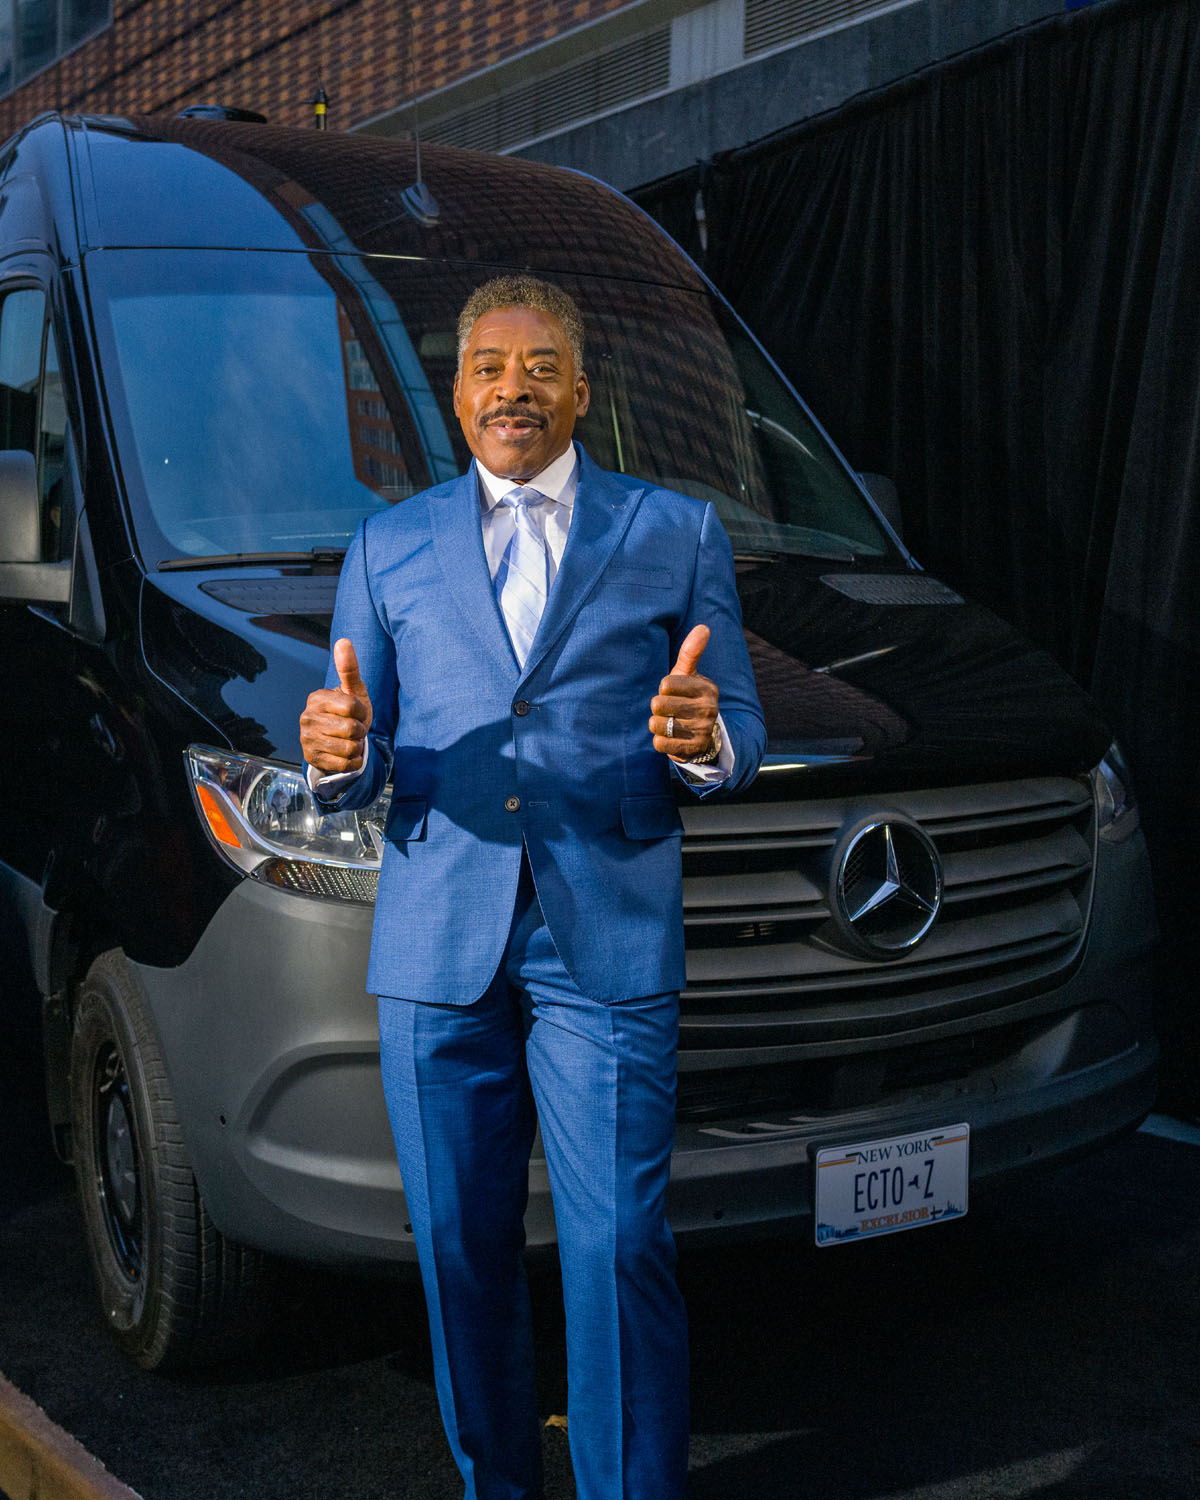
pixel 888 887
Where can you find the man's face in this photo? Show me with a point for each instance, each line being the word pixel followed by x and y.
pixel 517 394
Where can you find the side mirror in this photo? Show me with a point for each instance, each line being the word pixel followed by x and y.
pixel 23 576
pixel 883 491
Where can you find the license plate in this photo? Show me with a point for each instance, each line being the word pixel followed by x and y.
pixel 880 1187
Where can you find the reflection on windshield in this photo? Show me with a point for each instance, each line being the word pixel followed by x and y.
pixel 266 402
pixel 255 419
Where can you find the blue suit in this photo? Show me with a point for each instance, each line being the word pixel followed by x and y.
pixel 530 901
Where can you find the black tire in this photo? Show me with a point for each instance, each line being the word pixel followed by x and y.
pixel 175 1293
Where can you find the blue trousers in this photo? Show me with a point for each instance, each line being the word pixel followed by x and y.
pixel 465 1087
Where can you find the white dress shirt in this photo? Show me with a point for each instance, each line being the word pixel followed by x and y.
pixel 557 482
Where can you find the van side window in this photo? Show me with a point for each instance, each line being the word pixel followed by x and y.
pixel 22 317
pixel 33 413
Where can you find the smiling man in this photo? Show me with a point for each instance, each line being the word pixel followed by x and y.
pixel 519 649
pixel 516 432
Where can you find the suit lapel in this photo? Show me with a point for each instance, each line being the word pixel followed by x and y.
pixel 600 518
pixel 458 544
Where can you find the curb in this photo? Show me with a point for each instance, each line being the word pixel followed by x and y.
pixel 39 1461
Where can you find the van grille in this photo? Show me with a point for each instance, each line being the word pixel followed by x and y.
pixel 763 965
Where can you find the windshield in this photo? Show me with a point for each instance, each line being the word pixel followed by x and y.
pixel 265 402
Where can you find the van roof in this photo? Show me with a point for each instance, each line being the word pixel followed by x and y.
pixel 157 181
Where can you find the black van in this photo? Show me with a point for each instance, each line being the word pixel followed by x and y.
pixel 918 947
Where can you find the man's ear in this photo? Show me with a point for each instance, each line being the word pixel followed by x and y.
pixel 457 385
pixel 583 395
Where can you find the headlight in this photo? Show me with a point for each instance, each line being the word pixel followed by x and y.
pixel 263 819
pixel 1116 806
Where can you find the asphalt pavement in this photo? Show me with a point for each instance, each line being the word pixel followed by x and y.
pixel 1047 1345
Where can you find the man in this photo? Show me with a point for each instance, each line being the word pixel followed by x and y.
pixel 498 642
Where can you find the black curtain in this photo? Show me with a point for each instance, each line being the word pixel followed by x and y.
pixel 986 281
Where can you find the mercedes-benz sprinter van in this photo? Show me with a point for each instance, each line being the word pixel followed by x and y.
pixel 918 947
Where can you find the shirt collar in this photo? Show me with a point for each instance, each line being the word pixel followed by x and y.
pixel 557 481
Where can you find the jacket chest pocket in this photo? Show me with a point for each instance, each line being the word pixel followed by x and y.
pixel 630 575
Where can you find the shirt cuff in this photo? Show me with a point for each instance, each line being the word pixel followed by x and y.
pixel 712 772
pixel 332 784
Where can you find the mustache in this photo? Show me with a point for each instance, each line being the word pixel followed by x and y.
pixel 499 413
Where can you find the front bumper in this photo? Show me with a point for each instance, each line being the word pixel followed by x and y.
pixel 271 1044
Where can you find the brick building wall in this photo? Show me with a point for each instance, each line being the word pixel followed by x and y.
pixel 159 55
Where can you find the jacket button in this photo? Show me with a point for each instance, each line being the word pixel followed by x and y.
pixel 513 804
pixel 521 707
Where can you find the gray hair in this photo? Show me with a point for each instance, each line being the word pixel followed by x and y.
pixel 522 291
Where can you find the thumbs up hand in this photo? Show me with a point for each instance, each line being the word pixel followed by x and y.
pixel 686 703
pixel 334 724
pixel 350 680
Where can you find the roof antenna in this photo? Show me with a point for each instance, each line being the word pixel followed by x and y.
pixel 419 201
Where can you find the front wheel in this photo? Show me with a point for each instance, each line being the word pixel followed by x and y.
pixel 174 1291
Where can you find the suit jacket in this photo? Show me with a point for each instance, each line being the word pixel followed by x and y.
pixel 486 756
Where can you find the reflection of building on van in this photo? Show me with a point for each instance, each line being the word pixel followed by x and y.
pixel 924 931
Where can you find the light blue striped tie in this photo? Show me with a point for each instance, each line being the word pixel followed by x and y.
pixel 521 578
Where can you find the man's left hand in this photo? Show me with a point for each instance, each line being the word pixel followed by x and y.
pixel 686 703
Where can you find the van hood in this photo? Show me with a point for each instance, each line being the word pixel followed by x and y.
pixel 243 652
pixel 868 681
pixel 877 680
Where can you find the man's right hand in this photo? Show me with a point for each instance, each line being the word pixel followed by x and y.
pixel 334 724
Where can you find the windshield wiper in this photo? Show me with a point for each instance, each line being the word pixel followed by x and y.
pixel 317 557
pixel 816 545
